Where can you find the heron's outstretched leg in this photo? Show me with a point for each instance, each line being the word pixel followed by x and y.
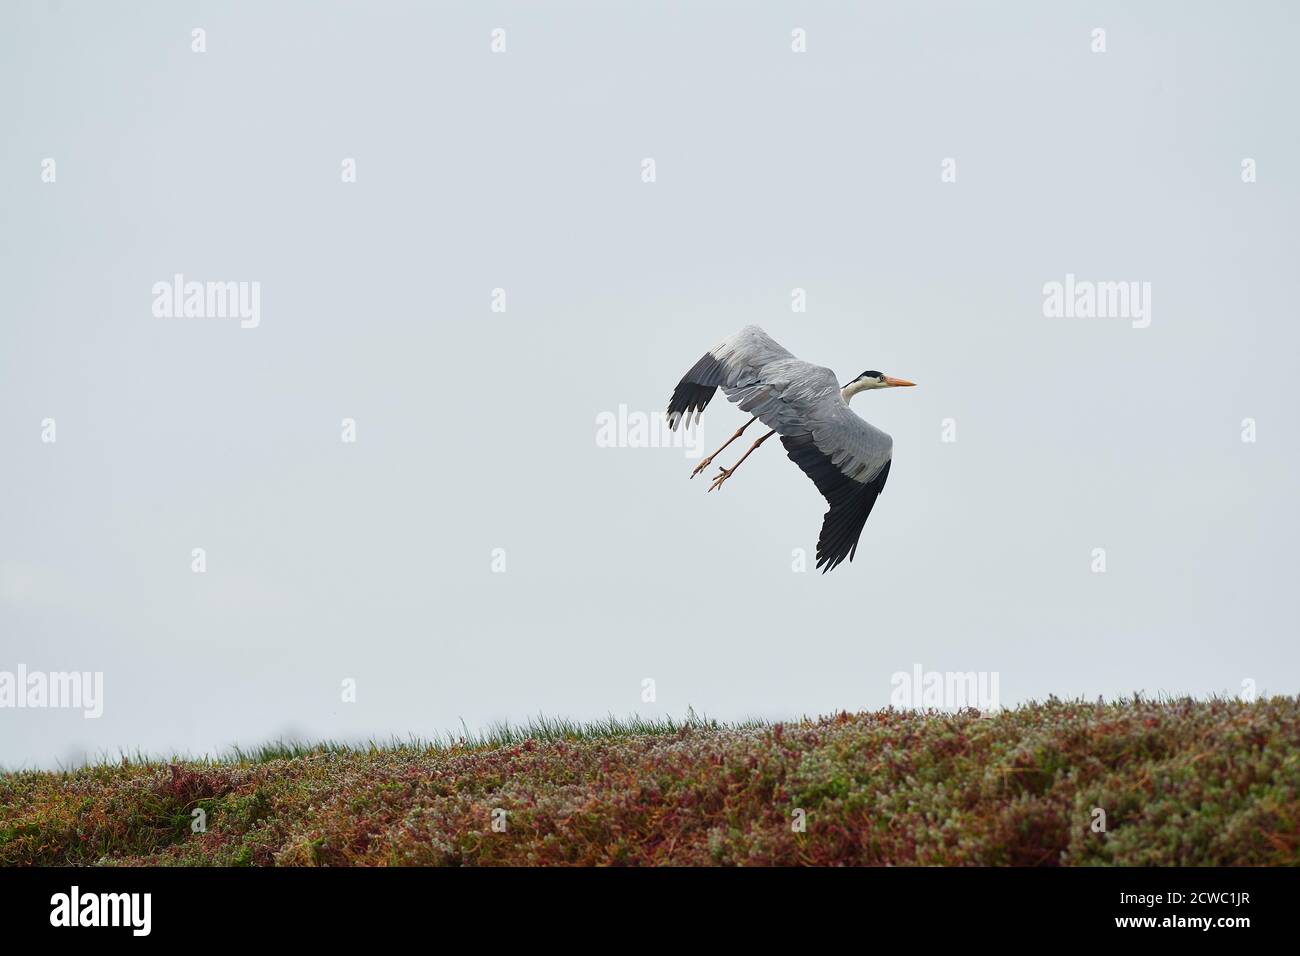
pixel 725 473
pixel 706 462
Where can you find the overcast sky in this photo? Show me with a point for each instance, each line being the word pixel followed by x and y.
pixel 376 561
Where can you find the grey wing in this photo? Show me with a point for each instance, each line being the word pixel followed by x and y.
pixel 734 362
pixel 847 458
pixel 850 499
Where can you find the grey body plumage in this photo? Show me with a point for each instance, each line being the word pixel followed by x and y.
pixel 846 457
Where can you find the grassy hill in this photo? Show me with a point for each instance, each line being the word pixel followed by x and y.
pixel 1180 782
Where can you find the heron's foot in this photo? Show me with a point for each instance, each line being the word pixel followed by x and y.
pixel 702 465
pixel 723 475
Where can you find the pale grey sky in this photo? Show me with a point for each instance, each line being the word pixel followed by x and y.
pixel 476 429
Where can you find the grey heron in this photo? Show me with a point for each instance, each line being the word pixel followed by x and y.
pixel 847 458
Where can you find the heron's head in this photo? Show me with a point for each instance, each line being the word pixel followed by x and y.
pixel 872 379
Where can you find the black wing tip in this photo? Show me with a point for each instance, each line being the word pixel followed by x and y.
pixel 851 501
pixel 831 563
pixel 694 391
pixel 688 398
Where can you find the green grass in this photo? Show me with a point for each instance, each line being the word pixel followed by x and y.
pixel 1180 781
pixel 540 729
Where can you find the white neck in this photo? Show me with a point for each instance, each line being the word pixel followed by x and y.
pixel 853 388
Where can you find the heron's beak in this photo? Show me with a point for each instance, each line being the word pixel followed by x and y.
pixel 895 382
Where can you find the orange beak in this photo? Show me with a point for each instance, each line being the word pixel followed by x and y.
pixel 897 381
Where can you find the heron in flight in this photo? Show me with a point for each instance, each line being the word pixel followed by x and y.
pixel 847 458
